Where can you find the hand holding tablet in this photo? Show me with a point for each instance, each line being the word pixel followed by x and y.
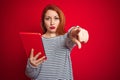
pixel 34 60
pixel 32 43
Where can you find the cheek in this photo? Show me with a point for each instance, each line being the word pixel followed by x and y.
pixel 58 22
pixel 47 23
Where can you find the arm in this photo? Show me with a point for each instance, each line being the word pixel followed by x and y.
pixel 34 65
pixel 69 43
pixel 31 71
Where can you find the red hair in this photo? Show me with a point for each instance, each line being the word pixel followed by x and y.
pixel 60 29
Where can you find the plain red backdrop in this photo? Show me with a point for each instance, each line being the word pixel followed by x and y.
pixel 99 59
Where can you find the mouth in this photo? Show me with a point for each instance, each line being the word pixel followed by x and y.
pixel 52 27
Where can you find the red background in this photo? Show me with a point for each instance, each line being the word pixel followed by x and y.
pixel 99 59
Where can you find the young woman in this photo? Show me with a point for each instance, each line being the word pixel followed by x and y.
pixel 57 45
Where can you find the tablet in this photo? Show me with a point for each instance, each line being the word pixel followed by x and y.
pixel 32 40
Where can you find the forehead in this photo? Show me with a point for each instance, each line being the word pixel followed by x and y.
pixel 51 13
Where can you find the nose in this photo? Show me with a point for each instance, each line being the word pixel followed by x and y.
pixel 52 22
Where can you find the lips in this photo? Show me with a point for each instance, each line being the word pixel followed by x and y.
pixel 52 27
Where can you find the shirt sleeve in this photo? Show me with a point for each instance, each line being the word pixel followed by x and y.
pixel 31 71
pixel 68 42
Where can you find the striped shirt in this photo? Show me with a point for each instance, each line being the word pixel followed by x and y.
pixel 58 64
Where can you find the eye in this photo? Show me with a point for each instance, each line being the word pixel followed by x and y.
pixel 56 18
pixel 47 18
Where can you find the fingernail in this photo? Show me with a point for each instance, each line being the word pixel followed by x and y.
pixel 79 47
pixel 39 52
pixel 77 26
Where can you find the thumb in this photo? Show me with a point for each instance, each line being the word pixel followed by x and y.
pixel 31 54
pixel 76 30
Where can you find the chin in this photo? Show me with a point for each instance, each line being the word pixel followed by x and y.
pixel 53 31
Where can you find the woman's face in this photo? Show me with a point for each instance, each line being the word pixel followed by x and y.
pixel 51 21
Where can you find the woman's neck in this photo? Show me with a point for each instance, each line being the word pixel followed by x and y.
pixel 49 35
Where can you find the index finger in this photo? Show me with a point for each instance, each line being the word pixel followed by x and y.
pixel 77 42
pixel 40 59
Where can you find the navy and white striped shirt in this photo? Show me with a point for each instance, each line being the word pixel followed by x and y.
pixel 58 64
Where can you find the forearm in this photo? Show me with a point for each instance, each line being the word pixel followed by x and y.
pixel 31 71
pixel 69 42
